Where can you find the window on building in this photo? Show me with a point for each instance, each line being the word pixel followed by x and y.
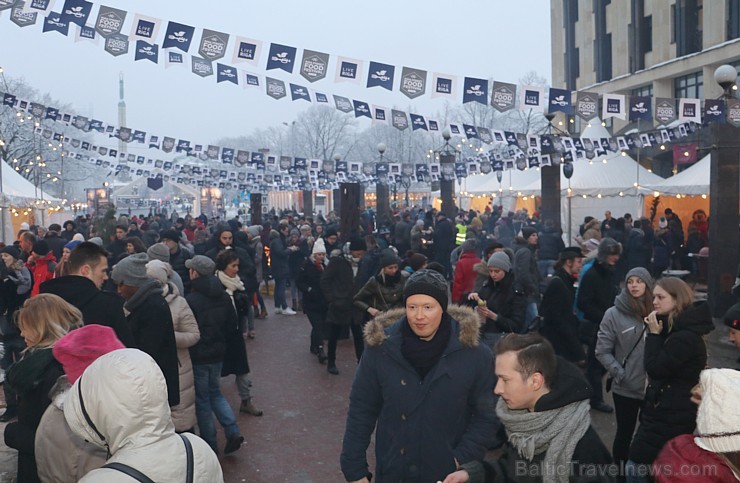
pixel 689 86
pixel 640 35
pixel 687 18
pixel 644 91
pixel 733 19
pixel 602 43
pixel 571 59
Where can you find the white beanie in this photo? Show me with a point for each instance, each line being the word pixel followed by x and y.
pixel 717 424
pixel 158 270
pixel 24 226
pixel 318 246
pixel 78 236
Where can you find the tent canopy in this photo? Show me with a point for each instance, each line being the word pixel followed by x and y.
pixel 18 188
pixel 488 183
pixel 693 181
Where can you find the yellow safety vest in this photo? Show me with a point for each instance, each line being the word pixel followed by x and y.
pixel 461 232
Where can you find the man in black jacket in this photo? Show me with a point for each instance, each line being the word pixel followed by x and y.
pixel 88 265
pixel 214 312
pixel 149 318
pixel 544 407
pixel 178 256
pixel 598 288
pixel 56 243
pixel 444 242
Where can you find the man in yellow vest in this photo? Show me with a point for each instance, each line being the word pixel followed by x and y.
pixel 462 231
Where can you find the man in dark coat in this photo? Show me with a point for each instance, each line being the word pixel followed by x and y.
pixel 402 234
pixel 339 288
pixel 279 266
pixel 560 324
pixel 526 271
pixel 117 247
pixel 178 256
pixel 56 243
pixel 223 239
pixel 444 242
pixel 544 408
pixel 598 288
pixel 215 313
pixel 424 385
pixel 82 288
pixel 149 318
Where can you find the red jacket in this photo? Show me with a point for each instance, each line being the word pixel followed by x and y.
pixel 41 271
pixel 682 461
pixel 465 276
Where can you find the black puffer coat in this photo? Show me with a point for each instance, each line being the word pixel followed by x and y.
pixel 177 260
pixel 560 324
pixel 673 361
pixel 338 286
pixel 381 292
pixel 213 311
pixel 508 301
pixel 309 282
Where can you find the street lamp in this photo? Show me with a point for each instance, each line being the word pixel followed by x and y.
pixel 406 183
pixel 447 155
pixel 382 201
pixel 725 76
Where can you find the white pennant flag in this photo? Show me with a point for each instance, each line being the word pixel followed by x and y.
pixel 247 50
pixel 444 85
pixel 144 28
pixel 689 110
pixel 613 105
pixel 380 115
pixel 349 70
pixel 532 97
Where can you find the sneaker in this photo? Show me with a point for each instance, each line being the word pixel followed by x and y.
pixel 233 444
pixel 288 311
pixel 602 407
pixel 278 310
pixel 249 408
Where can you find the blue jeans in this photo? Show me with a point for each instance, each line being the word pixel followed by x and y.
pixel 210 401
pixel 636 472
pixel 280 285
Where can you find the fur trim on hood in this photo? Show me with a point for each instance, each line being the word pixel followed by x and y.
pixel 481 268
pixel 468 319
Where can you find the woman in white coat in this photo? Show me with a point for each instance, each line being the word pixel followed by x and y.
pixel 186 336
pixel 120 404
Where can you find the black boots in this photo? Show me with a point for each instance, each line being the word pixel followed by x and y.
pixel 332 369
pixel 321 355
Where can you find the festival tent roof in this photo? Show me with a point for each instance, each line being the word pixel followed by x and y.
pixel 488 183
pixel 18 189
pixel 693 181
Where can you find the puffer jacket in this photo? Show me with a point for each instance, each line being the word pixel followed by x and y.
pixel 381 292
pixel 42 269
pixel 213 311
pixel 619 332
pixel 465 276
pixel 186 336
pixel 124 396
pixel 421 425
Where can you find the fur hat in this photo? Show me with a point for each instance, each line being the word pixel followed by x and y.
pixel 159 251
pixel 499 260
pixel 318 246
pixel 608 246
pixel 41 248
pixel 80 347
pixel 131 270
pixel 427 282
pixel 643 275
pixel 718 427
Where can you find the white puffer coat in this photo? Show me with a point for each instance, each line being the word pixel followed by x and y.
pixel 120 401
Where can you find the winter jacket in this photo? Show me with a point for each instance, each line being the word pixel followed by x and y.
pixel 662 250
pixel 619 332
pixel 259 252
pixel 508 301
pixel 213 310
pixel 279 256
pixel 465 275
pixel 235 355
pixel 381 292
pixel 186 336
pixel 123 394
pixel 79 456
pixel 597 289
pixel 42 269
pixel 247 270
pixel 402 236
pixel 681 453
pixel 368 267
pixel 673 361
pixel 559 321
pixel 151 325
pixel 423 425
pixel 15 288
pixel 444 241
pixel 525 267
pixel 97 306
pixel 177 260
pixel 309 283
pixel 550 244
pixel 570 387
pixel 338 286
pixel 592 230
pixel 638 250
pixel 31 378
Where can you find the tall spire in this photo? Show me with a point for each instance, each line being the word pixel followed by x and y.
pixel 121 113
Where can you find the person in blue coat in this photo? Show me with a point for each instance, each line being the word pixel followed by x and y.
pixel 427 383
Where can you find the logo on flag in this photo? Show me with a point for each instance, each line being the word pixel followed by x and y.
pixel 281 57
pixel 21 18
pixel 348 70
pixel 145 28
pixel 343 104
pixel 110 20
pixel 443 86
pixel 202 67
pixel 380 75
pixel 116 44
pixel 733 112
pixel 76 11
pixel 361 109
pixel 179 36
pixel 314 65
pixel 399 119
pixel 413 82
pixel 299 92
pixel 213 44
pixel 275 88
pixel 475 90
pixel 587 105
pixel 503 97
pixel 321 98
pixel 54 23
pixel 665 110
pixel 226 73
pixel 146 51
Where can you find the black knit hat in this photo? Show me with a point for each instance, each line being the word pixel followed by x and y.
pixel 170 234
pixel 528 231
pixel 40 248
pixel 427 282
pixel 12 250
pixel 357 243
pixel 388 257
pixel 732 317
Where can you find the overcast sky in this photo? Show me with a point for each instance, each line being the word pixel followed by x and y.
pixel 483 38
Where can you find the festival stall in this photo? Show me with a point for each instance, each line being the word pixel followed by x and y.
pixel 21 201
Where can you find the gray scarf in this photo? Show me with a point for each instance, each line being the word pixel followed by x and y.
pixel 555 432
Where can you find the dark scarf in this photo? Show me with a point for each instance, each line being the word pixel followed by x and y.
pixel 27 372
pixel 151 286
pixel 387 280
pixel 424 354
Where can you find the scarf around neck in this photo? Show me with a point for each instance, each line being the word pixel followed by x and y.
pixel 232 284
pixel 424 354
pixel 555 432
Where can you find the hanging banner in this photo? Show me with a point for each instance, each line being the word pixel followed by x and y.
pixel 665 110
pixel 413 82
pixel 174 59
pixel 35 6
pixel 275 88
pixel 380 75
pixel 314 65
pixel 86 33
pixel 613 106
pixel 485 135
pixel 146 51
pixel 178 36
pixel 380 115
pixel 361 109
pixel 560 101
pixel 714 110
pixel 213 44
pixel 640 108
pixel 201 67
pixel 475 90
pixel 470 131
pixel 732 115
pixel 587 104
pixel 246 50
pixel 689 110
pixel 348 70
pixel 110 21
pixel 532 97
pixel 116 44
pixel 226 73
pixel 76 11
pixel 343 104
pixel 503 96
pixel 399 120
pixel 251 80
pixel 145 28
pixel 323 98
pixel 54 23
pixel 418 122
pixel 299 92
pixel 433 125
pixel 281 57
pixel 21 17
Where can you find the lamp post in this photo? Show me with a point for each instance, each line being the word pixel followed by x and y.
pixel 406 183
pixel 447 156
pixel 723 203
pixel 382 200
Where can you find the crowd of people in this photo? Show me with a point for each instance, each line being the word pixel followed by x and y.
pixel 471 333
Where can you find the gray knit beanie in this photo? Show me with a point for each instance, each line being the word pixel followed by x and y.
pixel 131 270
pixel 427 282
pixel 643 275
pixel 159 251
pixel 499 260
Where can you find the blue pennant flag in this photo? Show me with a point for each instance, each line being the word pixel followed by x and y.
pixel 714 110
pixel 322 98
pixel 475 90
pixel 470 131
pixel 54 23
pixel 139 136
pixel 380 75
pixel 418 122
pixel 9 100
pixel 252 80
pixel 433 125
pixel 281 57
pixel 560 101
pixel 226 73
pixel 299 92
pixel 227 155
pixel 361 109
pixel 76 11
pixel 640 108
pixel 178 36
pixel 147 51
pixel 53 113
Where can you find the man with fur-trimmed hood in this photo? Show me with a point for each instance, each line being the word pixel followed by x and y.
pixel 427 383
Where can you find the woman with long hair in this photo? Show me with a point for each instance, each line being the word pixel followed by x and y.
pixel 384 291
pixel 43 320
pixel 675 354
pixel 314 303
pixel 620 348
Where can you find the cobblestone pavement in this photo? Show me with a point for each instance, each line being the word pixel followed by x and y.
pixel 299 437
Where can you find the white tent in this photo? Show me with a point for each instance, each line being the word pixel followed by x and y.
pixel 482 184
pixel 692 181
pixel 15 190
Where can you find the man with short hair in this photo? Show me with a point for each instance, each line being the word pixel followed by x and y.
pixel 88 265
pixel 55 241
pixel 117 247
pixel 25 243
pixel 526 271
pixel 178 256
pixel 544 407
